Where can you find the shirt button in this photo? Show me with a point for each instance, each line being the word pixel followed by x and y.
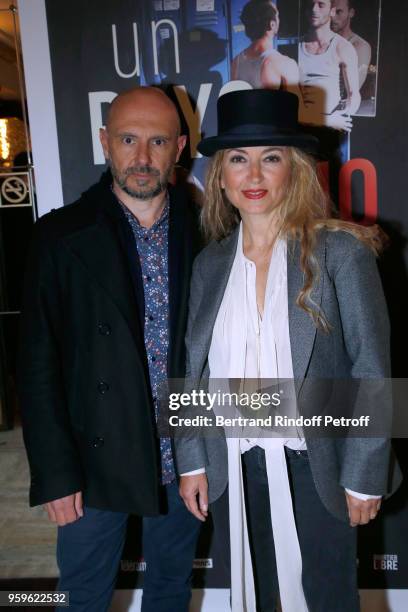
pixel 98 442
pixel 148 278
pixel 153 358
pixel 104 329
pixel 151 318
pixel 146 238
pixel 103 387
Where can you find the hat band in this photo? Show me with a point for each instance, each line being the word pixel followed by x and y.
pixel 255 129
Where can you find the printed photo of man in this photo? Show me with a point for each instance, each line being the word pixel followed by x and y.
pixel 341 24
pixel 325 60
pixel 261 64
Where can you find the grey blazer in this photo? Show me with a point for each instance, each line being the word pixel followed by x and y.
pixel 350 294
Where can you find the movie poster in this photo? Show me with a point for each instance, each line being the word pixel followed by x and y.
pixel 199 50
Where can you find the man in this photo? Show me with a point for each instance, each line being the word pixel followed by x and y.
pixel 324 58
pixel 341 24
pixel 261 64
pixel 103 326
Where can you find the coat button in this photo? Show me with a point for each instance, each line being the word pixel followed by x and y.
pixel 98 442
pixel 103 387
pixel 104 329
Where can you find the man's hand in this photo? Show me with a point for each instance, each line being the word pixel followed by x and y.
pixel 339 120
pixel 194 492
pixel 362 512
pixel 65 510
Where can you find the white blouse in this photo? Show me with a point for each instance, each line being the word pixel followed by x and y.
pixel 252 349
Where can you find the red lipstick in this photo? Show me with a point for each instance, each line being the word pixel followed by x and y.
pixel 255 194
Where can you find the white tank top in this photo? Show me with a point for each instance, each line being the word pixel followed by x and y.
pixel 249 68
pixel 320 77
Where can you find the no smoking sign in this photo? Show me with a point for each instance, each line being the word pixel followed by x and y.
pixel 14 189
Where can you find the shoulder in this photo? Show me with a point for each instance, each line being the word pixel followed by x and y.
pixel 80 214
pixel 186 196
pixel 343 47
pixel 239 56
pixel 206 256
pixel 216 251
pixel 289 67
pixel 282 60
pixel 343 250
pixel 61 221
pixel 288 61
pixel 360 43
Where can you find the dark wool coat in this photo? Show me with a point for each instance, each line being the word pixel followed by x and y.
pixel 83 381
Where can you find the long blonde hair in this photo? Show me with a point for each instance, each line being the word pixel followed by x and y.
pixel 304 210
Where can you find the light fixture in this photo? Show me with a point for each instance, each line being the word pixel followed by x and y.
pixel 4 142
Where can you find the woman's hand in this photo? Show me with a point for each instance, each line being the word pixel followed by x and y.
pixel 194 492
pixel 361 511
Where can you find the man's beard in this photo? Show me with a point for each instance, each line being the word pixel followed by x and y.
pixel 337 27
pixel 141 194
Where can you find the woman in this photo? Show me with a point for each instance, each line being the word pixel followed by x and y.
pixel 283 292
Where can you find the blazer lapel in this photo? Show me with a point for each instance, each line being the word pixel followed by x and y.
pixel 216 279
pixel 302 330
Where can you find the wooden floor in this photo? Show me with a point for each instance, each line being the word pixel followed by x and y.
pixel 27 538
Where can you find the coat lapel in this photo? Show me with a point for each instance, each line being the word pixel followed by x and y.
pixel 100 251
pixel 302 330
pixel 183 241
pixel 216 279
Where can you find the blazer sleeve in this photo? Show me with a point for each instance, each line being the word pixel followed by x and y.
pixel 189 446
pixel 366 334
pixel 54 463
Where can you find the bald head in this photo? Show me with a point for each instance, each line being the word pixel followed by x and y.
pixel 142 142
pixel 145 101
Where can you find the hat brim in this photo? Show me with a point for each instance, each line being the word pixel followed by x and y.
pixel 306 142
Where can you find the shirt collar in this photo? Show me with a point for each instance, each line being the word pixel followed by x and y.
pixel 135 222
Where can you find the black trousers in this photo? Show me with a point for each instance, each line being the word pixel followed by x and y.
pixel 328 545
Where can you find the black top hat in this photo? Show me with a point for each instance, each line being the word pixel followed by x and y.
pixel 256 117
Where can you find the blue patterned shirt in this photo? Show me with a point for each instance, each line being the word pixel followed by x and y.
pixel 152 248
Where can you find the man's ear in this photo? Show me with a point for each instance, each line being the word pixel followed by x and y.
pixel 103 137
pixel 181 143
pixel 352 12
